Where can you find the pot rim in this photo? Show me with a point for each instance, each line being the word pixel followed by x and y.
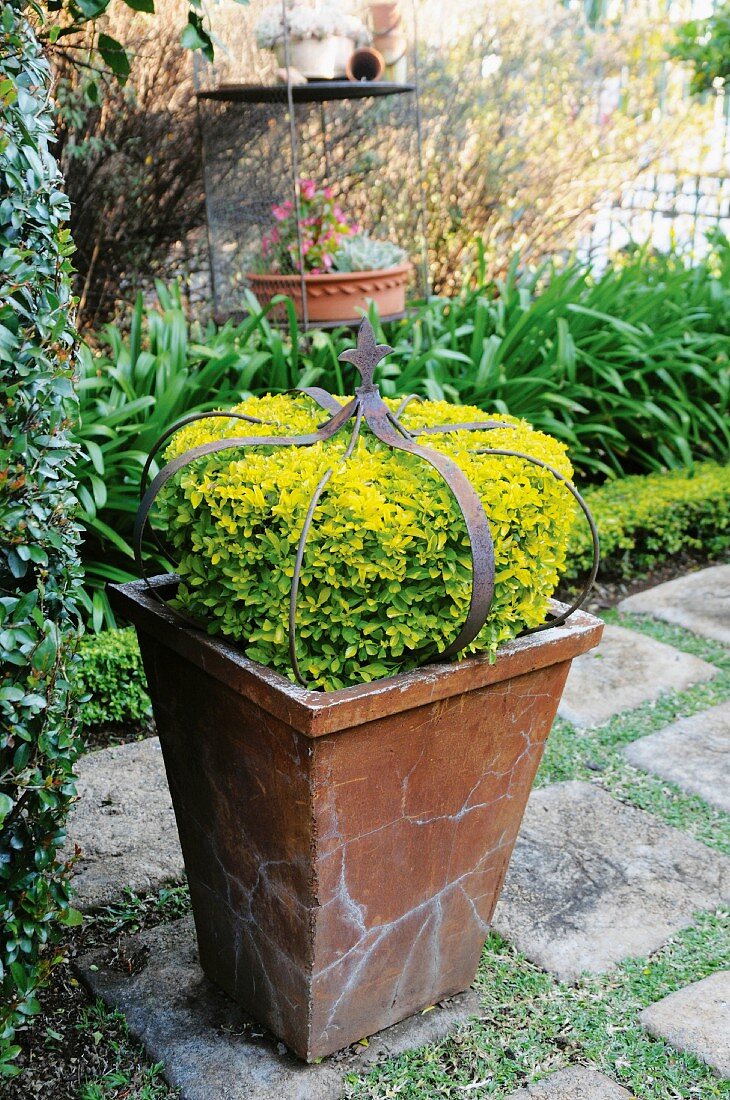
pixel 330 276
pixel 317 713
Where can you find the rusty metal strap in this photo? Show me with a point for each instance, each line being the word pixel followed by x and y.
pixel 385 426
pixel 214 447
pixel 578 602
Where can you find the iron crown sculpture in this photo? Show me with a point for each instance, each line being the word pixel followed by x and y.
pixel 368 407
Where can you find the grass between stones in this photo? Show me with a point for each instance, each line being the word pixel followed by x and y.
pixel 594 754
pixel 530 1025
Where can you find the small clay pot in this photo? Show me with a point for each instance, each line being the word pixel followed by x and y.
pixel 365 64
pixel 385 17
pixel 338 295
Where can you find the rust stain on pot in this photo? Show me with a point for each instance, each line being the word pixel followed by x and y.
pixel 345 851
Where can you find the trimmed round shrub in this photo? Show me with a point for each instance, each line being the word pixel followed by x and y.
pixel 387 567
pixel 110 679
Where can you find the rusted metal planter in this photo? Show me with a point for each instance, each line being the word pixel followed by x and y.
pixel 345 850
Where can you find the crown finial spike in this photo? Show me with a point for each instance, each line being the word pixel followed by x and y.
pixel 366 355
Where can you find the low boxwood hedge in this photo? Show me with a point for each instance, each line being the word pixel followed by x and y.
pixel 644 520
pixel 110 679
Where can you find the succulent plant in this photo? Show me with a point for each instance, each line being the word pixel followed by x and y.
pixel 363 253
pixel 307 21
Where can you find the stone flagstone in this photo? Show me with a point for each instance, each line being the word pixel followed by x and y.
pixel 625 670
pixel 593 881
pixel 124 824
pixel 696 1020
pixel 575 1083
pixel 699 602
pixel 210 1048
pixel 694 753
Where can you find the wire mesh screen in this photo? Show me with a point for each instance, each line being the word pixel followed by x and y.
pixel 684 196
pixel 259 139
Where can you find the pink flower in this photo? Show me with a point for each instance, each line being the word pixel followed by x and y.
pixel 327 192
pixel 282 212
pixel 327 260
pixel 308 188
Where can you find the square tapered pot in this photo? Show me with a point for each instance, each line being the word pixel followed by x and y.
pixel 345 850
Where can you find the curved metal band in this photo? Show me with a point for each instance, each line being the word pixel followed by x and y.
pixel 577 603
pixel 190 419
pixel 293 595
pixel 321 397
pixel 213 447
pixel 471 426
pixel 384 425
pixel 406 402
pixel 301 546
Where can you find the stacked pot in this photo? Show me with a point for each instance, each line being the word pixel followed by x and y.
pixel 389 40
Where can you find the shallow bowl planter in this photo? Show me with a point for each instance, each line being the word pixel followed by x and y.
pixel 339 295
pixel 345 850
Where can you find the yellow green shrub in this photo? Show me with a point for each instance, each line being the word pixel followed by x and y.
pixel 387 567
pixel 643 520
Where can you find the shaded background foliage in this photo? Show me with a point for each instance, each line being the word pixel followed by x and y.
pixel 521 139
pixel 630 370
pixel 130 156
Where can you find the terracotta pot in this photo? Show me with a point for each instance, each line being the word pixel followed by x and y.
pixel 385 17
pixel 338 296
pixel 345 850
pixel 365 64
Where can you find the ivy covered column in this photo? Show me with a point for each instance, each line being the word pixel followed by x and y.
pixel 39 570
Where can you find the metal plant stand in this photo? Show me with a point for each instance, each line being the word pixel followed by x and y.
pixel 260 136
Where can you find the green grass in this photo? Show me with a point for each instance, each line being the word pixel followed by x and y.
pixel 531 1026
pixel 126 1078
pixel 595 754
pixel 134 911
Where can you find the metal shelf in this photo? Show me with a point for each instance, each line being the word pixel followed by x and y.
pixel 315 91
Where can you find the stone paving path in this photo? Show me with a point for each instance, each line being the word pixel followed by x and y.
pixel 593 880
pixel 575 1083
pixel 124 824
pixel 700 602
pixel 696 1019
pixel 694 753
pixel 625 670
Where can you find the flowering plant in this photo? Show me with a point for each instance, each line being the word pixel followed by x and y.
pixel 323 227
pixel 305 21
